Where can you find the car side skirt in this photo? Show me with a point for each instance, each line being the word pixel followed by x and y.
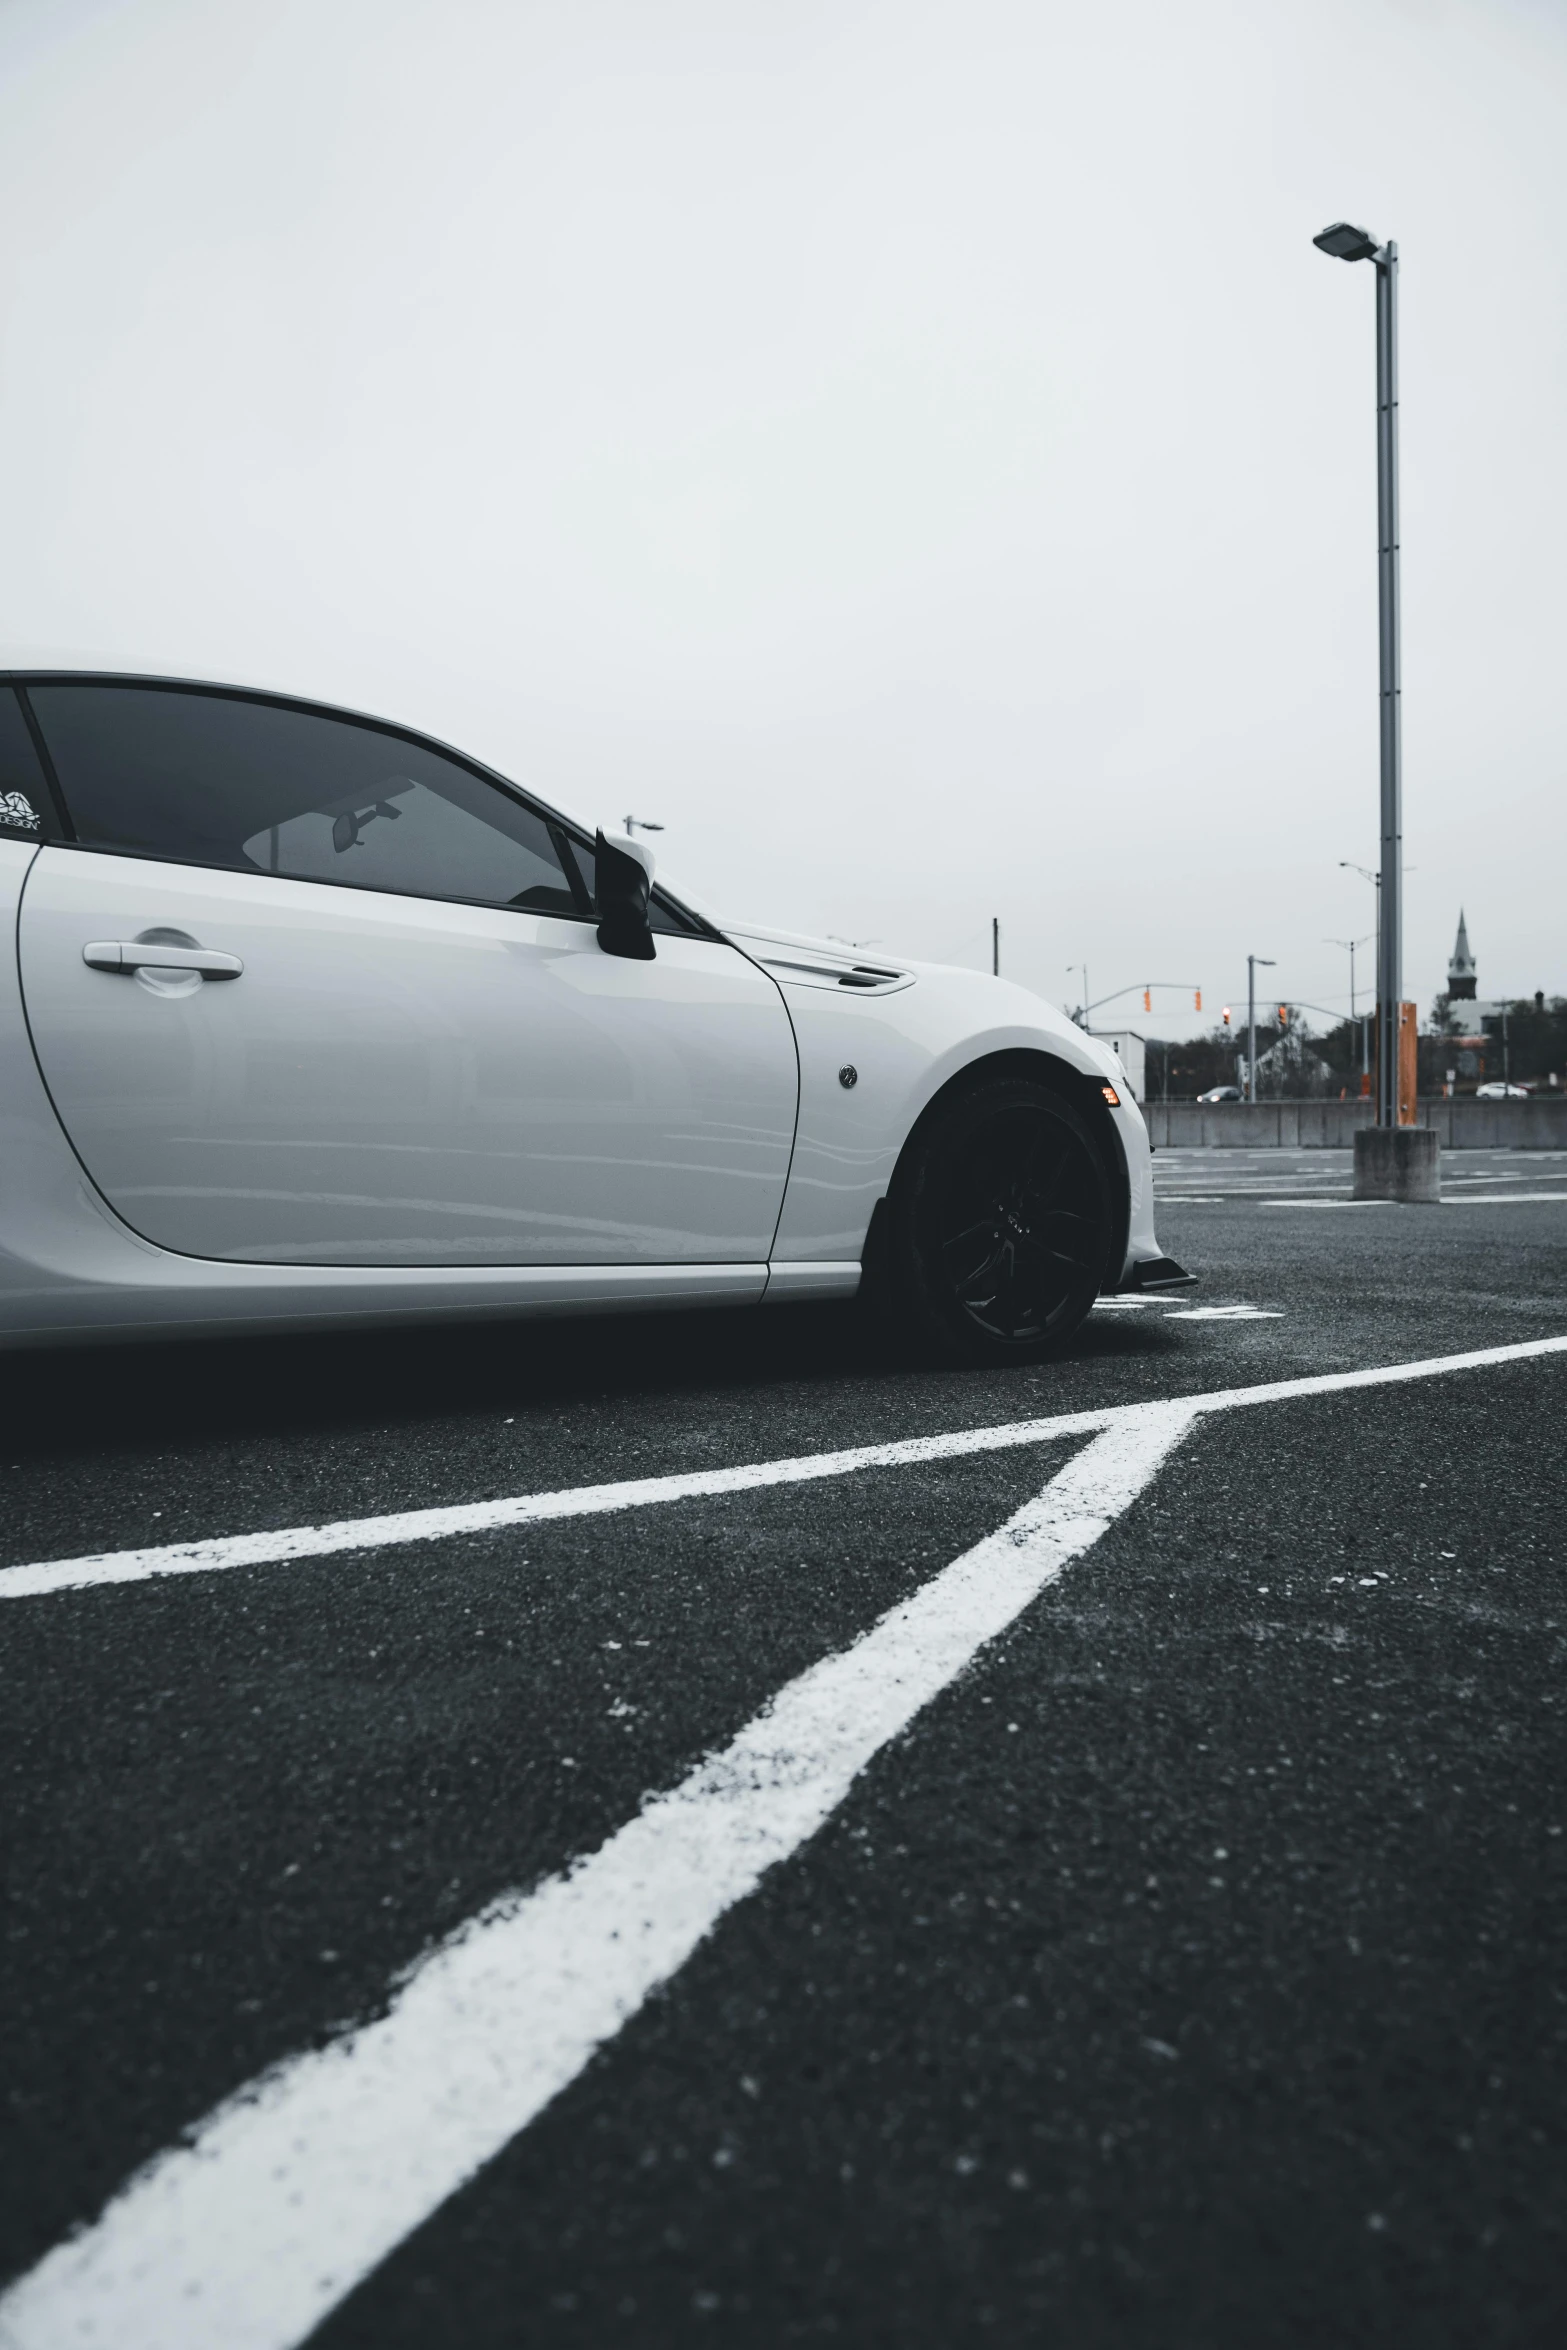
pixel 198 1299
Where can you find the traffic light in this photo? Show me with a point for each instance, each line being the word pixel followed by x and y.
pixel 1226 1015
pixel 1198 1005
pixel 1284 1015
pixel 1147 999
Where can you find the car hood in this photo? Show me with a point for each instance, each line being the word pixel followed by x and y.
pixel 975 1003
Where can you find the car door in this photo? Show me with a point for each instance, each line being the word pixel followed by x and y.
pixel 308 990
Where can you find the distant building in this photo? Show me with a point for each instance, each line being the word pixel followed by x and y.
pixel 1290 1068
pixel 1465 1013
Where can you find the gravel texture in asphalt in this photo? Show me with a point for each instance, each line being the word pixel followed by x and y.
pixel 1191 1970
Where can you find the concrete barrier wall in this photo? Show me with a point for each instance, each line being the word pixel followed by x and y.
pixel 1460 1125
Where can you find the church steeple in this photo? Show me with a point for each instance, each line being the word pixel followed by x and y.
pixel 1461 966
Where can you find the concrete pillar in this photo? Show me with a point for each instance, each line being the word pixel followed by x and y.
pixel 1398 1162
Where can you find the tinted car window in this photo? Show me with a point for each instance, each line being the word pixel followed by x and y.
pixel 209 779
pixel 26 810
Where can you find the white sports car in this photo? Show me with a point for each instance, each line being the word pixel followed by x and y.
pixel 313 1021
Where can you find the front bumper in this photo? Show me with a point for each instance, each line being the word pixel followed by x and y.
pixel 1156 1273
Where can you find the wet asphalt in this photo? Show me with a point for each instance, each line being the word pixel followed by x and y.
pixel 1223 1999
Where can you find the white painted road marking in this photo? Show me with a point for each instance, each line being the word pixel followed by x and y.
pixel 280 2202
pixel 1473 1199
pixel 288 2196
pixel 1145 1305
pixel 527 1509
pixel 1502 1199
pixel 1225 1314
pixel 1246 1189
pixel 579 1501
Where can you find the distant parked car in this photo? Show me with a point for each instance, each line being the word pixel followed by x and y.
pixel 1496 1091
pixel 1222 1093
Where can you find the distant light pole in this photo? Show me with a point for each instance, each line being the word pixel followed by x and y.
pixel 1348 865
pixel 639 824
pixel 1083 967
pixel 1348 243
pixel 1352 944
pixel 1267 962
pixel 995 946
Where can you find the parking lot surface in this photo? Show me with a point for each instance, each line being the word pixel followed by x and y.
pixel 1202 1178
pixel 908 1871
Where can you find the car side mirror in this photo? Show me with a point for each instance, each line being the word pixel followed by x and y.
pixel 622 884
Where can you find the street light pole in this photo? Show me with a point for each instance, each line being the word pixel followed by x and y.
pixel 1251 1020
pixel 1349 866
pixel 1352 944
pixel 1348 243
pixel 1390 956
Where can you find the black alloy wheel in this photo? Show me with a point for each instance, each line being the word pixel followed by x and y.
pixel 1001 1221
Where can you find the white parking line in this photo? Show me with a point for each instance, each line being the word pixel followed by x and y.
pixel 1145 1305
pixel 1502 1199
pixel 1245 1190
pixel 526 1509
pixel 285 2198
pixel 1225 1314
pixel 1471 1199
pixel 283 1544
pixel 276 2206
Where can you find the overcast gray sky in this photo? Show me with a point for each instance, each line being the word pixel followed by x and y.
pixel 912 450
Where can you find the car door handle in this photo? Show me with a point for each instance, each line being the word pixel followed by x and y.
pixel 114 954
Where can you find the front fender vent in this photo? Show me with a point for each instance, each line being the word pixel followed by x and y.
pixel 863 978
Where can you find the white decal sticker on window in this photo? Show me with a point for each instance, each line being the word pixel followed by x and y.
pixel 16 808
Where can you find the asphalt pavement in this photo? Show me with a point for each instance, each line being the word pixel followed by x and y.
pixel 1188 1968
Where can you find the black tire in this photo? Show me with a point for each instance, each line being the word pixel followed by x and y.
pixel 1000 1221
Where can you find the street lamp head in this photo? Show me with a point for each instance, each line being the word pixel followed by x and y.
pixel 1346 242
